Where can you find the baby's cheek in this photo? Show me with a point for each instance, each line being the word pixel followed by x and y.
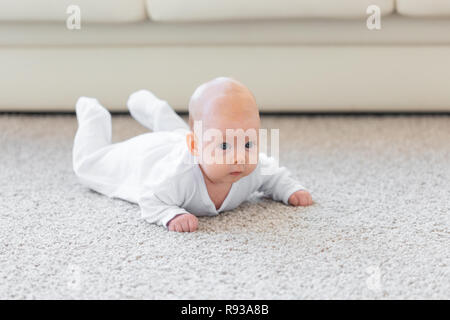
pixel 250 168
pixel 252 157
pixel 215 171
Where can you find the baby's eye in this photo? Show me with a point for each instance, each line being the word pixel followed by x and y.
pixel 224 146
pixel 249 144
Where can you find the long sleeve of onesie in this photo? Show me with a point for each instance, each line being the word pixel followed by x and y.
pixel 162 205
pixel 276 182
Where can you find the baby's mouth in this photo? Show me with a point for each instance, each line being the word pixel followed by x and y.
pixel 236 173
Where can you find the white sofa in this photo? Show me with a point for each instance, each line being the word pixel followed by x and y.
pixel 295 55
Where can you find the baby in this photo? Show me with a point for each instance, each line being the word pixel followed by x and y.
pixel 173 173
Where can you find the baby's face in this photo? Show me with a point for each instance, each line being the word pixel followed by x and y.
pixel 230 150
pixel 226 146
pixel 229 143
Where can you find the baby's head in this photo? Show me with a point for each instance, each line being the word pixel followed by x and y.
pixel 226 146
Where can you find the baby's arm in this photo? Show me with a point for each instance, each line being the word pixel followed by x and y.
pixel 163 209
pixel 278 184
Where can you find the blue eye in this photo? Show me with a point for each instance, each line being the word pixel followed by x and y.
pixel 224 146
pixel 249 144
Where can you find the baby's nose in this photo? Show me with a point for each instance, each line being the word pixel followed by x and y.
pixel 239 159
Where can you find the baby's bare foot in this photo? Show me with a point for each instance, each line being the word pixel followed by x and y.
pixel 186 222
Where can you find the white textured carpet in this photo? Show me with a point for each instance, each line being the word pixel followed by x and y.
pixel 379 228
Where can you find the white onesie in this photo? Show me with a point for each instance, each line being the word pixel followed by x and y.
pixel 156 169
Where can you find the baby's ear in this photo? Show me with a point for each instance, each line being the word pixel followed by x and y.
pixel 192 144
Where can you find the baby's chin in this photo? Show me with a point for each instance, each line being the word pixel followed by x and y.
pixel 229 175
pixel 227 178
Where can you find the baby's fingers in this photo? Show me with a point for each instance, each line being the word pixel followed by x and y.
pixel 172 226
pixel 193 224
pixel 184 224
pixel 293 200
pixel 178 227
pixel 303 201
pixel 306 200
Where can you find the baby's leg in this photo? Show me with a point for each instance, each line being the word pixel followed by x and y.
pixel 153 113
pixel 94 129
pixel 93 154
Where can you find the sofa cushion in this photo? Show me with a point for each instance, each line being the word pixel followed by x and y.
pixel 209 10
pixel 424 8
pixel 55 10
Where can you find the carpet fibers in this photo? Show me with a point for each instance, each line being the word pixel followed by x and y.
pixel 379 228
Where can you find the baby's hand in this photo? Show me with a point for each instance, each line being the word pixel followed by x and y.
pixel 300 198
pixel 185 222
